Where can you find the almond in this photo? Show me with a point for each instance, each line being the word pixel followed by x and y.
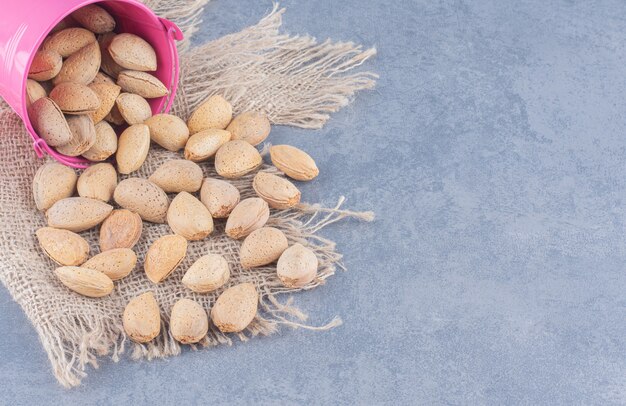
pixel 107 94
pixel 34 92
pixel 122 229
pixel 237 158
pixel 102 78
pixel 262 247
pixel 294 162
pixel 116 263
pixel 98 182
pixel 142 197
pixel 134 108
pixel 168 131
pixel 77 213
pixel 178 175
pixel 115 117
pixel 49 122
pixel 215 112
pixel 132 148
pixel 133 52
pixel 204 144
pixel 94 18
pixel 62 246
pixel 142 318
pixel 187 216
pixel 249 215
pixel 83 136
pixel 82 67
pixel 105 145
pixel 235 309
pixel 45 65
pixel 297 266
pixel 164 256
pixel 219 196
pixel 278 192
pixel 74 98
pixel 189 322
pixel 208 273
pixel 85 281
pixel 68 41
pixel 108 65
pixel 53 182
pixel 251 126
pixel 141 83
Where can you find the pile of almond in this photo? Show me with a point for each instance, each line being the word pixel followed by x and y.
pixel 99 86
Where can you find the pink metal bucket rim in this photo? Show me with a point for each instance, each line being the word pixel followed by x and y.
pixel 174 34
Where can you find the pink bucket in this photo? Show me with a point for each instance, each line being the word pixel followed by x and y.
pixel 26 23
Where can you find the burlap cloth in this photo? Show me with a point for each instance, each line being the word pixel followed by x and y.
pixel 296 81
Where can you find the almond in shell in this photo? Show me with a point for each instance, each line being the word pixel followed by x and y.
pixel 102 78
pixel 132 148
pixel 94 18
pixel 68 41
pixel 142 83
pixel 189 322
pixel 115 117
pixel 237 158
pixel 219 196
pixel 116 263
pixel 85 281
pixel 164 256
pixel 168 131
pixel 122 229
pixel 77 213
pixel 134 108
pixel 142 197
pixel 107 94
pixel 215 112
pixel 49 122
pixel 53 182
pixel 62 246
pixel 278 192
pixel 297 266
pixel 74 98
pixel 251 126
pixel 262 247
pixel 208 273
pixel 294 162
pixel 98 182
pixel 187 216
pixel 142 318
pixel 133 52
pixel 178 175
pixel 235 308
pixel 105 145
pixel 204 144
pixel 249 215
pixel 45 65
pixel 34 92
pixel 108 65
pixel 82 67
pixel 83 136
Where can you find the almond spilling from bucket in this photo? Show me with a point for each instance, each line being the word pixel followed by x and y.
pixel 45 65
pixel 168 131
pixel 237 158
pixel 278 192
pixel 74 98
pixel 94 18
pixel 53 182
pixel 83 136
pixel 49 122
pixel 297 266
pixel 82 67
pixel 68 41
pixel 249 215
pixel 133 52
pixel 208 273
pixel 215 112
pixel 116 263
pixel 219 196
pixel 107 94
pixel 164 256
pixel 251 126
pixel 178 175
pixel 141 83
pixel 142 318
pixel 189 322
pixel 235 309
pixel 62 246
pixel 262 247
pixel 105 145
pixel 142 197
pixel 77 213
pixel 122 229
pixel 34 92
pixel 85 281
pixel 294 162
pixel 98 182
pixel 132 148
pixel 187 216
pixel 204 144
pixel 134 108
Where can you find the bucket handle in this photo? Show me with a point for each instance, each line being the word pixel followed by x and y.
pixel 177 35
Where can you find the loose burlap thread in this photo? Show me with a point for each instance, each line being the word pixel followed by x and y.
pixel 296 81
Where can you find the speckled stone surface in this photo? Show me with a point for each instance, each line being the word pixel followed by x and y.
pixel 493 152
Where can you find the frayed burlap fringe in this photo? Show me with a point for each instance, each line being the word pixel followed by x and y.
pixel 295 81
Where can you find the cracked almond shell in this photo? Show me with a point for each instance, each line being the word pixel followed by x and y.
pixel 189 322
pixel 219 196
pixel 178 175
pixel 116 263
pixel 142 318
pixel 85 281
pixel 77 213
pixel 164 256
pixel 53 182
pixel 62 246
pixel 250 214
pixel 122 229
pixel 208 273
pixel 188 217
pixel 294 162
pixel 142 197
pixel 235 308
pixel 97 182
pixel 236 158
pixel 142 83
pixel 278 192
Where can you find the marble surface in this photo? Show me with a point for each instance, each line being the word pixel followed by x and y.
pixel 493 153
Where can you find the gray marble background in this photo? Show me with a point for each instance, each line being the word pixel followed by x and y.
pixel 493 153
